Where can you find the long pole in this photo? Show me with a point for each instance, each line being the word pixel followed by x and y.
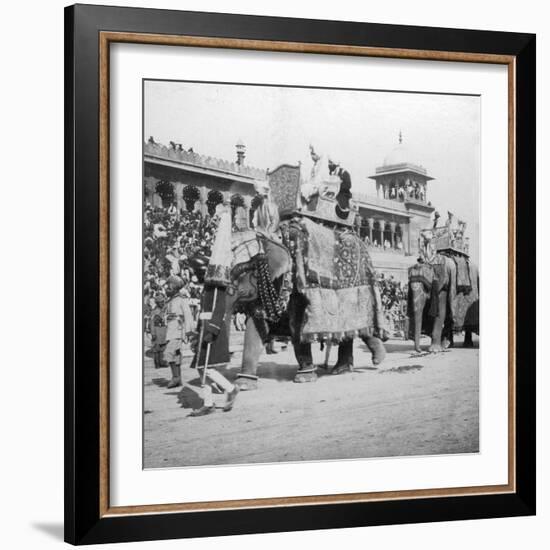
pixel 207 355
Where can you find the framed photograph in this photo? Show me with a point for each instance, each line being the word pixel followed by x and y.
pixel 300 274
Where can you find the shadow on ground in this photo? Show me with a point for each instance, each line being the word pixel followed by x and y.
pixel 54 530
pixel 402 369
pixel 160 382
pixel 189 398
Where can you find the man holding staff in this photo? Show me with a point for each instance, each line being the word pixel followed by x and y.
pixel 213 345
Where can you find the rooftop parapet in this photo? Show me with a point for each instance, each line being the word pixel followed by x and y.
pixel 189 157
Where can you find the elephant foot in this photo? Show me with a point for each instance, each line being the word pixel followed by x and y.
pixel 377 349
pixel 342 369
pixel 447 343
pixel 468 344
pixel 435 348
pixel 246 383
pixel 418 349
pixel 306 375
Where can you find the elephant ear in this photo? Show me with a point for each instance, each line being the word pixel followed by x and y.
pixel 278 258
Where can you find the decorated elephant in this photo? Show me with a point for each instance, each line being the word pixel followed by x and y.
pixel 315 285
pixel 443 299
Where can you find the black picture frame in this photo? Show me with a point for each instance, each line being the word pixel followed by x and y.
pixel 84 522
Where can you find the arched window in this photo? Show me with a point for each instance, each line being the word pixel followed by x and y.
pixel 214 198
pixel 387 236
pixel 166 192
pixel 236 201
pixel 399 244
pixel 190 195
pixel 376 233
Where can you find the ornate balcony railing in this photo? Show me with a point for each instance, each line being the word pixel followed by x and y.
pixel 388 203
pixel 367 199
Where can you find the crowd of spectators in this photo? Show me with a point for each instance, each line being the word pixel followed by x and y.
pixel 171 238
pixel 401 192
pixel 394 302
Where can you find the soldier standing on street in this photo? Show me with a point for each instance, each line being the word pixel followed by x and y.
pixel 157 328
pixel 179 326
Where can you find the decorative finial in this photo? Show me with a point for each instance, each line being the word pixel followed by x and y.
pixel 241 150
pixel 400 137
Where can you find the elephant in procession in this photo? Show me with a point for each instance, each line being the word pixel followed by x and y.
pixel 315 285
pixel 443 299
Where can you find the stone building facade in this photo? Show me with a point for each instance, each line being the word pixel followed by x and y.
pixel 390 221
pixel 197 182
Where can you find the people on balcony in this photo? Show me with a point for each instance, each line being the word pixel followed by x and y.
pixel 403 191
pixel 394 244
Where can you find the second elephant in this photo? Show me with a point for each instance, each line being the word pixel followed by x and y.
pixel 443 300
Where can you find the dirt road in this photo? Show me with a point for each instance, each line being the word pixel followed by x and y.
pixel 409 405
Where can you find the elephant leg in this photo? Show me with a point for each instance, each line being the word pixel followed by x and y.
pixel 306 369
pixel 345 358
pixel 302 351
pixel 438 322
pixel 419 302
pixel 468 342
pixel 253 348
pixel 377 349
pixel 417 329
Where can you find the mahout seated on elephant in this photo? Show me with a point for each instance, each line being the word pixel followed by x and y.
pixel 443 297
pixel 317 285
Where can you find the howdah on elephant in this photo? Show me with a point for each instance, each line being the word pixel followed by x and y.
pixel 317 284
pixel 443 299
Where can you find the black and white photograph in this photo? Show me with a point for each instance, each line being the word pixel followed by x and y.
pixel 310 273
pixel 290 261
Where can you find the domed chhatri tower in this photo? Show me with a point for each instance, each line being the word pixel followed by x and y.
pixel 401 177
pixel 402 186
pixel 392 220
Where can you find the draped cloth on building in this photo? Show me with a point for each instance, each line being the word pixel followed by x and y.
pixel 334 273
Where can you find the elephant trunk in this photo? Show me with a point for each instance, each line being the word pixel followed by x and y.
pixel 418 302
